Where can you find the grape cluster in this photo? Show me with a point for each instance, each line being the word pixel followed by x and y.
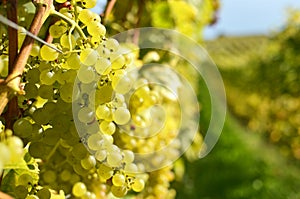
pixel 96 127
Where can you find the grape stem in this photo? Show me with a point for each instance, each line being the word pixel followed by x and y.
pixel 53 151
pixel 11 85
pixel 70 21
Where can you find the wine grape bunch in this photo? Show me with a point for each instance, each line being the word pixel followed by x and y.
pixel 87 116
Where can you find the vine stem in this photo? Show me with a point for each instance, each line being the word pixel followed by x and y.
pixel 109 6
pixel 70 21
pixel 11 85
pixel 5 196
pixel 12 108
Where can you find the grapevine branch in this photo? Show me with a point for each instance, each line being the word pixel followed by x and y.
pixel 12 108
pixel 12 33
pixel 136 35
pixel 109 6
pixel 11 85
pixel 5 196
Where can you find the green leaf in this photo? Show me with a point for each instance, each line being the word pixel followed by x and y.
pixel 161 15
pixel 9 179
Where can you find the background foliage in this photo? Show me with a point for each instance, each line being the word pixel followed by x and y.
pixel 258 153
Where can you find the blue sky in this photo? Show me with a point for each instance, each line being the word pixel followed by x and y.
pixel 245 17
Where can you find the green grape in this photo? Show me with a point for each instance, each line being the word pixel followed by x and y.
pixel 103 112
pixel 96 40
pixel 93 128
pixel 25 179
pixel 103 52
pixel 65 175
pixel 21 37
pixel 88 56
pixel 103 94
pixel 22 128
pixel 5 153
pixel 49 176
pixel 64 41
pixel 43 193
pixel 108 140
pixel 86 74
pixel 160 190
pixel 118 191
pixel 35 50
pixel 138 185
pixel 105 172
pixel 100 155
pixel 96 17
pixel 112 44
pixel 21 191
pixel 89 195
pixel 56 31
pixel 4 66
pixel 61 122
pixel 44 65
pixel 77 167
pixel 74 178
pixel 87 88
pixel 48 54
pixel 31 90
pixel 114 159
pixel 60 1
pixel 86 115
pixel 65 11
pixel 14 143
pixel 33 76
pixel 121 84
pixel 121 115
pixel 66 93
pixel 79 151
pixel 37 149
pixel 118 62
pixel 85 16
pixel 88 162
pixel 118 100
pixel 131 168
pixel 128 156
pixel 51 136
pixel 73 61
pixel 63 106
pixel 96 29
pixel 89 3
pixel 95 141
pixel 79 189
pixel 102 66
pixel 40 116
pixel 46 91
pixel 32 197
pixel 71 159
pixel 47 77
pixel 59 73
pixel 70 76
pixel 50 107
pixel 108 128
pixel 118 179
